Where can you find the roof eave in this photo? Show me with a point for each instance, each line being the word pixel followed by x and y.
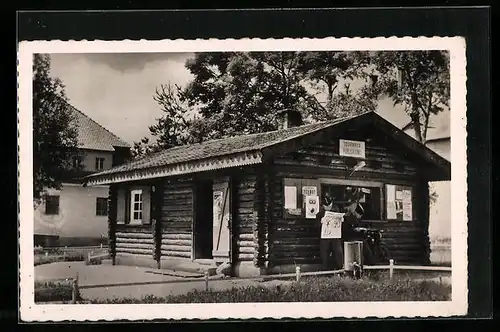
pixel 234 160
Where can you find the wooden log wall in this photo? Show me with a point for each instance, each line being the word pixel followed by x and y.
pixel 405 240
pixel 423 212
pixel 156 214
pixel 134 240
pixel 245 226
pixel 380 161
pixel 295 240
pixel 177 218
pixel 260 230
pixel 112 217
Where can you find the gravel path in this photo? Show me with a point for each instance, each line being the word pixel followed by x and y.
pixel 108 274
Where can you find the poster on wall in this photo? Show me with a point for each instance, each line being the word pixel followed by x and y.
pixel 308 191
pixel 399 203
pixel 331 225
pixel 290 197
pixel 391 203
pixel 312 206
pixel 407 205
pixel 217 207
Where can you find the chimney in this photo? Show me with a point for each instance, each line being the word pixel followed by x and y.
pixel 289 118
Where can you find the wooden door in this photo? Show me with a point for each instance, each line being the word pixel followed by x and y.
pixel 222 221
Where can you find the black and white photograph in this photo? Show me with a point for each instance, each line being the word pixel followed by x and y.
pixel 234 178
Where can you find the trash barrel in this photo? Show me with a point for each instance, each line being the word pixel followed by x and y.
pixel 353 252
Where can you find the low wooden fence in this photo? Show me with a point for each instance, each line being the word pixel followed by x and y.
pixel 71 249
pixel 76 287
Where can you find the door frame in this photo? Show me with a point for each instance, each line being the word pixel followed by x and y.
pixel 195 214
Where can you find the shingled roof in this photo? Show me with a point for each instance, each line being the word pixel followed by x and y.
pixel 215 154
pixel 93 136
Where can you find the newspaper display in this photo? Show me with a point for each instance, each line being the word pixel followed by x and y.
pixel 331 225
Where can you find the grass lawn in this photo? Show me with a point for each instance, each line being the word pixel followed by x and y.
pixel 311 289
pixel 52 291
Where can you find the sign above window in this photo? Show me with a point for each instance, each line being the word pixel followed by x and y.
pixel 355 149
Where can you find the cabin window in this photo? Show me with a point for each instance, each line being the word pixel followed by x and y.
pixel 294 194
pixel 399 202
pixel 343 194
pixel 99 163
pixel 136 206
pixel 51 204
pixel 101 206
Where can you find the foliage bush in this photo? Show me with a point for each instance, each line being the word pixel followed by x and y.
pixel 310 289
pixel 59 257
pixel 52 291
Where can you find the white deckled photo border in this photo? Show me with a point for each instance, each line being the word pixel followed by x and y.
pixel 31 312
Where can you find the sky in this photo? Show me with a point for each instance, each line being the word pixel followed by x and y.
pixel 117 90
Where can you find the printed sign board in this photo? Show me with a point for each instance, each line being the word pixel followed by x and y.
pixel 312 206
pixel 308 191
pixel 355 149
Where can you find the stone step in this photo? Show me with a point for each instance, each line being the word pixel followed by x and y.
pixel 189 267
pixel 209 262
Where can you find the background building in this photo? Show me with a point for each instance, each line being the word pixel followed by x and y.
pixel 77 215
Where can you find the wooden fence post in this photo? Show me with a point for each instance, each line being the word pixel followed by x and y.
pixel 206 280
pixel 391 268
pixel 74 294
pixel 297 273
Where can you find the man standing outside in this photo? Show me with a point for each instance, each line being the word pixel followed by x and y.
pixel 331 234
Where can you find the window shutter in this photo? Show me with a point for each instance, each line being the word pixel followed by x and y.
pixel 127 205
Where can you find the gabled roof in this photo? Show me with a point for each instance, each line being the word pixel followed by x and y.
pixel 93 136
pixel 237 151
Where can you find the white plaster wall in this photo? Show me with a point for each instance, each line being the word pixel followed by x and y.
pixel 77 213
pixel 89 159
pixel 440 211
pixel 441 147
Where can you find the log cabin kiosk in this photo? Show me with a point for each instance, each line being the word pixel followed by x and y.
pixel 241 200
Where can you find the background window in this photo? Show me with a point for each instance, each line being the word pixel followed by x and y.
pixel 52 204
pixel 101 206
pixel 99 163
pixel 77 162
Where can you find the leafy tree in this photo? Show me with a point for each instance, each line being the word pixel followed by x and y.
pixel 331 74
pixel 55 135
pixel 236 93
pixel 241 92
pixel 418 80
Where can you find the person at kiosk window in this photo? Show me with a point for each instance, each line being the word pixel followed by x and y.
pixel 354 212
pixel 331 235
